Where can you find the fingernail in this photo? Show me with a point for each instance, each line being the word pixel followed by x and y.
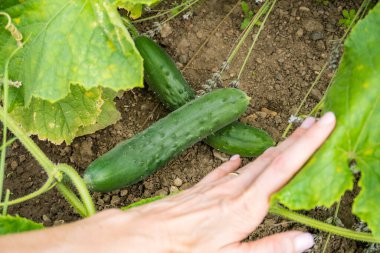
pixel 234 157
pixel 303 242
pixel 307 123
pixel 327 119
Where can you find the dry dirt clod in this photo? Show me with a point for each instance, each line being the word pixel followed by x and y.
pixel 312 25
pixel 173 189
pixel 166 30
pixel 178 182
pixel 115 200
pixel 123 193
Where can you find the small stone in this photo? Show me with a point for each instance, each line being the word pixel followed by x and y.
pixel 123 193
pixel 270 112
pixel 262 114
pixel 162 192
pixel 250 118
pixel 259 61
pixel 221 156
pixel 278 77
pixel 299 33
pixel 200 34
pixel 304 9
pixel 100 202
pixel 317 35
pixel 149 185
pixel 46 218
pixel 173 189
pixel 115 200
pixel 166 30
pixel 58 222
pixel 22 158
pixel 183 59
pixel 183 46
pixel 14 165
pixel 321 46
pixel 185 186
pixel 178 182
pixel 311 25
pixel 106 198
pixel 316 94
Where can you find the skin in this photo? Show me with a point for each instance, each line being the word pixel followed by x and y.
pixel 213 216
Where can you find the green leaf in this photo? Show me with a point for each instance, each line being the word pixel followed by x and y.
pixel 345 13
pixel 352 13
pixel 135 7
pixel 244 7
pixel 245 23
pixel 67 41
pixel 109 115
pixel 61 121
pixel 16 224
pixel 354 97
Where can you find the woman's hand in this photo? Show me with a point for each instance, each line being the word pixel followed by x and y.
pixel 213 216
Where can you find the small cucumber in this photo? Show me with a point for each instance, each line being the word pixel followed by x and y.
pixel 165 79
pixel 173 90
pixel 239 138
pixel 134 159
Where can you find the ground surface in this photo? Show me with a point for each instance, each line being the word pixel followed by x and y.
pixel 290 52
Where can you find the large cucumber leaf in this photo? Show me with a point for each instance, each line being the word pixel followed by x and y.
pixel 61 121
pixel 109 115
pixel 70 41
pixel 355 144
pixel 16 224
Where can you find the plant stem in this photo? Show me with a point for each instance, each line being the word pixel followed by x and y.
pixel 359 236
pixel 131 28
pixel 72 199
pixel 247 31
pixel 290 125
pixel 80 186
pixel 329 234
pixel 51 182
pixel 5 121
pixel 6 203
pixel 9 142
pixel 255 40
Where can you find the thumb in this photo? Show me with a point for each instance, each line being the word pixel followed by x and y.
pixel 288 242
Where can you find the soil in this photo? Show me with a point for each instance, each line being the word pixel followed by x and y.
pixel 291 51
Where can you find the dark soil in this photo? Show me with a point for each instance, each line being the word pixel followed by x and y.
pixel 291 51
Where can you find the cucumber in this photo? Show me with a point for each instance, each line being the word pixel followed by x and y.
pixel 165 79
pixel 239 138
pixel 173 90
pixel 134 159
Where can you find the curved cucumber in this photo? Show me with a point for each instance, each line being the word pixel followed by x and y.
pixel 134 159
pixel 239 138
pixel 173 90
pixel 163 76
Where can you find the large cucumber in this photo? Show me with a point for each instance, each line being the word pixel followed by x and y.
pixel 134 159
pixel 165 79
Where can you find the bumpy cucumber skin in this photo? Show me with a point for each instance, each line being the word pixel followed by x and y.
pixel 239 138
pixel 163 77
pixel 159 68
pixel 134 159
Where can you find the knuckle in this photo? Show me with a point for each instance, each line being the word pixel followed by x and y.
pixel 270 153
pixel 279 163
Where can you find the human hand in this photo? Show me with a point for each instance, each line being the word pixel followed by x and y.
pixel 213 216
